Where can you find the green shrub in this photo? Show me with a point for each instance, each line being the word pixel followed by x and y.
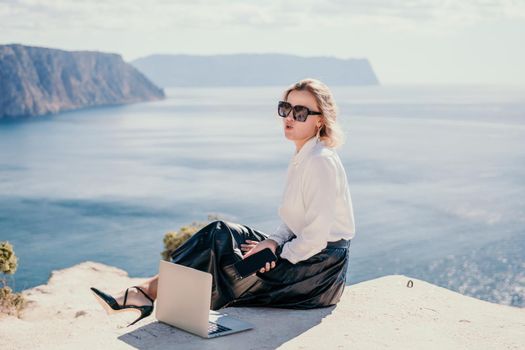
pixel 8 259
pixel 174 239
pixel 10 303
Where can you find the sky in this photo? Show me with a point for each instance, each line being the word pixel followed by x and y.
pixel 407 42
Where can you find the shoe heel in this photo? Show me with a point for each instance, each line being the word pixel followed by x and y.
pixel 144 312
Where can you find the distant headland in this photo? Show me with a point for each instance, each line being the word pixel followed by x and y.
pixel 253 70
pixel 37 81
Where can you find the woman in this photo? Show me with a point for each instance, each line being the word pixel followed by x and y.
pixel 312 241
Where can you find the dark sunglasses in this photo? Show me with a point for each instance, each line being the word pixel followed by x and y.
pixel 300 113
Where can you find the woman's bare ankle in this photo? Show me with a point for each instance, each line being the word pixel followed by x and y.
pixel 146 288
pixel 134 297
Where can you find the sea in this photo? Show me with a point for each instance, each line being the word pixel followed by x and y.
pixel 436 175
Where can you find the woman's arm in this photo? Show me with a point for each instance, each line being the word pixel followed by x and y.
pixel 281 234
pixel 320 185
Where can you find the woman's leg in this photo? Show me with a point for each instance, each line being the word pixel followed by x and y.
pixel 135 297
pixel 197 253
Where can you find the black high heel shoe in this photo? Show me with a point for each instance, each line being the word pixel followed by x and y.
pixel 111 305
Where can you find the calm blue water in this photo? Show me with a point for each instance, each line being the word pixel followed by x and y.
pixel 436 176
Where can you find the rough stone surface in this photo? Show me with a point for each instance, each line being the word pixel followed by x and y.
pixel 378 314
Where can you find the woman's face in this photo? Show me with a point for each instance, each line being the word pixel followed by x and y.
pixel 300 132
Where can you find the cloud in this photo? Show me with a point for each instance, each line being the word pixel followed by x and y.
pixel 112 14
pixel 423 9
pixel 234 14
pixel 435 15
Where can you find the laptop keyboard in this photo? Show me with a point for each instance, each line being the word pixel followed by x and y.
pixel 216 328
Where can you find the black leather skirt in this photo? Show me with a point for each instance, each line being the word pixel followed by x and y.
pixel 312 283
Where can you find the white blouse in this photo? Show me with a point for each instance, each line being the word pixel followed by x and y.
pixel 316 205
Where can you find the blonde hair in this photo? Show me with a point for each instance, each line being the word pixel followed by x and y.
pixel 331 132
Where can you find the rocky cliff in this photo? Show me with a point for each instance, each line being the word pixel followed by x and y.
pixel 37 81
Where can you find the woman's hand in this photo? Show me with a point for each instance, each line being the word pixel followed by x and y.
pixel 249 245
pixel 253 247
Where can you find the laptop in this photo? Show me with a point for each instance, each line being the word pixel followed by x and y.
pixel 184 299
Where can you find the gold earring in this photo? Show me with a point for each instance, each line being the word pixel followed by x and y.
pixel 318 133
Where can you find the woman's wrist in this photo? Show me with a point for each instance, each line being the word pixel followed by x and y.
pixel 273 241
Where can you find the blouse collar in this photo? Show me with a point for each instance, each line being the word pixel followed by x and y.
pixel 305 150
